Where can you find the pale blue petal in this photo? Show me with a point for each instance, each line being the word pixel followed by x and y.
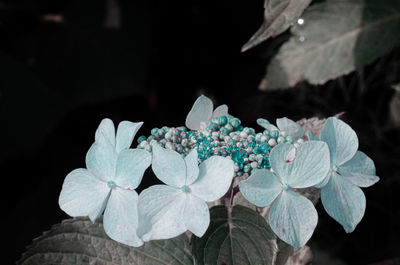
pixel 215 178
pixel 360 170
pixel 312 137
pixel 97 213
pixel 266 125
pixel 341 139
pixel 293 218
pixel 261 188
pixel 161 212
pixel 201 112
pixel 309 167
pixel 192 167
pixel 279 159
pixel 121 217
pixel 101 160
pixel 344 202
pixel 131 165
pixel 106 132
pixel 196 215
pixel 83 194
pixel 168 166
pixel 325 180
pixel 220 111
pixel 292 128
pixel 125 133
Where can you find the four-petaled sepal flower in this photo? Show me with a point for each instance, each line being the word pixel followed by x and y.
pixel 113 172
pixel 166 211
pixel 292 217
pixel 350 169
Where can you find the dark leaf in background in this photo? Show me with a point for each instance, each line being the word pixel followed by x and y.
pixel 395 106
pixel 79 241
pixel 335 38
pixel 236 236
pixel 279 15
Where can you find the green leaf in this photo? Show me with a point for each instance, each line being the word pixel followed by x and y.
pixel 279 15
pixel 336 38
pixel 285 251
pixel 79 241
pixel 236 235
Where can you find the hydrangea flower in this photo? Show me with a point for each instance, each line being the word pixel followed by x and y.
pixel 292 217
pixel 169 210
pixel 113 172
pixel 285 125
pixel 202 112
pixel 350 169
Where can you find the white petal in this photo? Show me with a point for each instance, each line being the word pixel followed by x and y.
pixel 121 217
pixel 341 139
pixel 192 167
pixel 344 202
pixel 279 159
pixel 196 215
pixel 125 133
pixel 215 178
pixel 266 125
pixel 106 132
pixel 168 166
pixel 261 188
pixel 101 160
pixel 309 167
pixel 292 128
pixel 131 165
pixel 325 180
pixel 293 218
pixel 201 112
pixel 360 170
pixel 83 194
pixel 221 110
pixel 161 212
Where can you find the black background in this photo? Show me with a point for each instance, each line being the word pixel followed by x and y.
pixel 58 80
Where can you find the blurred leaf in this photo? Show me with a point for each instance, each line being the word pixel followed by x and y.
pixel 279 15
pixel 79 241
pixel 236 235
pixel 336 38
pixel 394 106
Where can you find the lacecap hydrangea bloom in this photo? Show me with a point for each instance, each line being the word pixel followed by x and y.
pixel 198 163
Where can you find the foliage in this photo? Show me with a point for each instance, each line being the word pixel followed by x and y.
pixel 79 241
pixel 236 235
pixel 278 16
pixel 334 38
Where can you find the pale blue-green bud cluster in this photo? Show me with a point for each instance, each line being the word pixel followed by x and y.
pixel 223 136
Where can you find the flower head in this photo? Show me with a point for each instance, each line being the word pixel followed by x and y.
pixel 292 217
pixel 168 210
pixel 349 169
pixel 107 184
